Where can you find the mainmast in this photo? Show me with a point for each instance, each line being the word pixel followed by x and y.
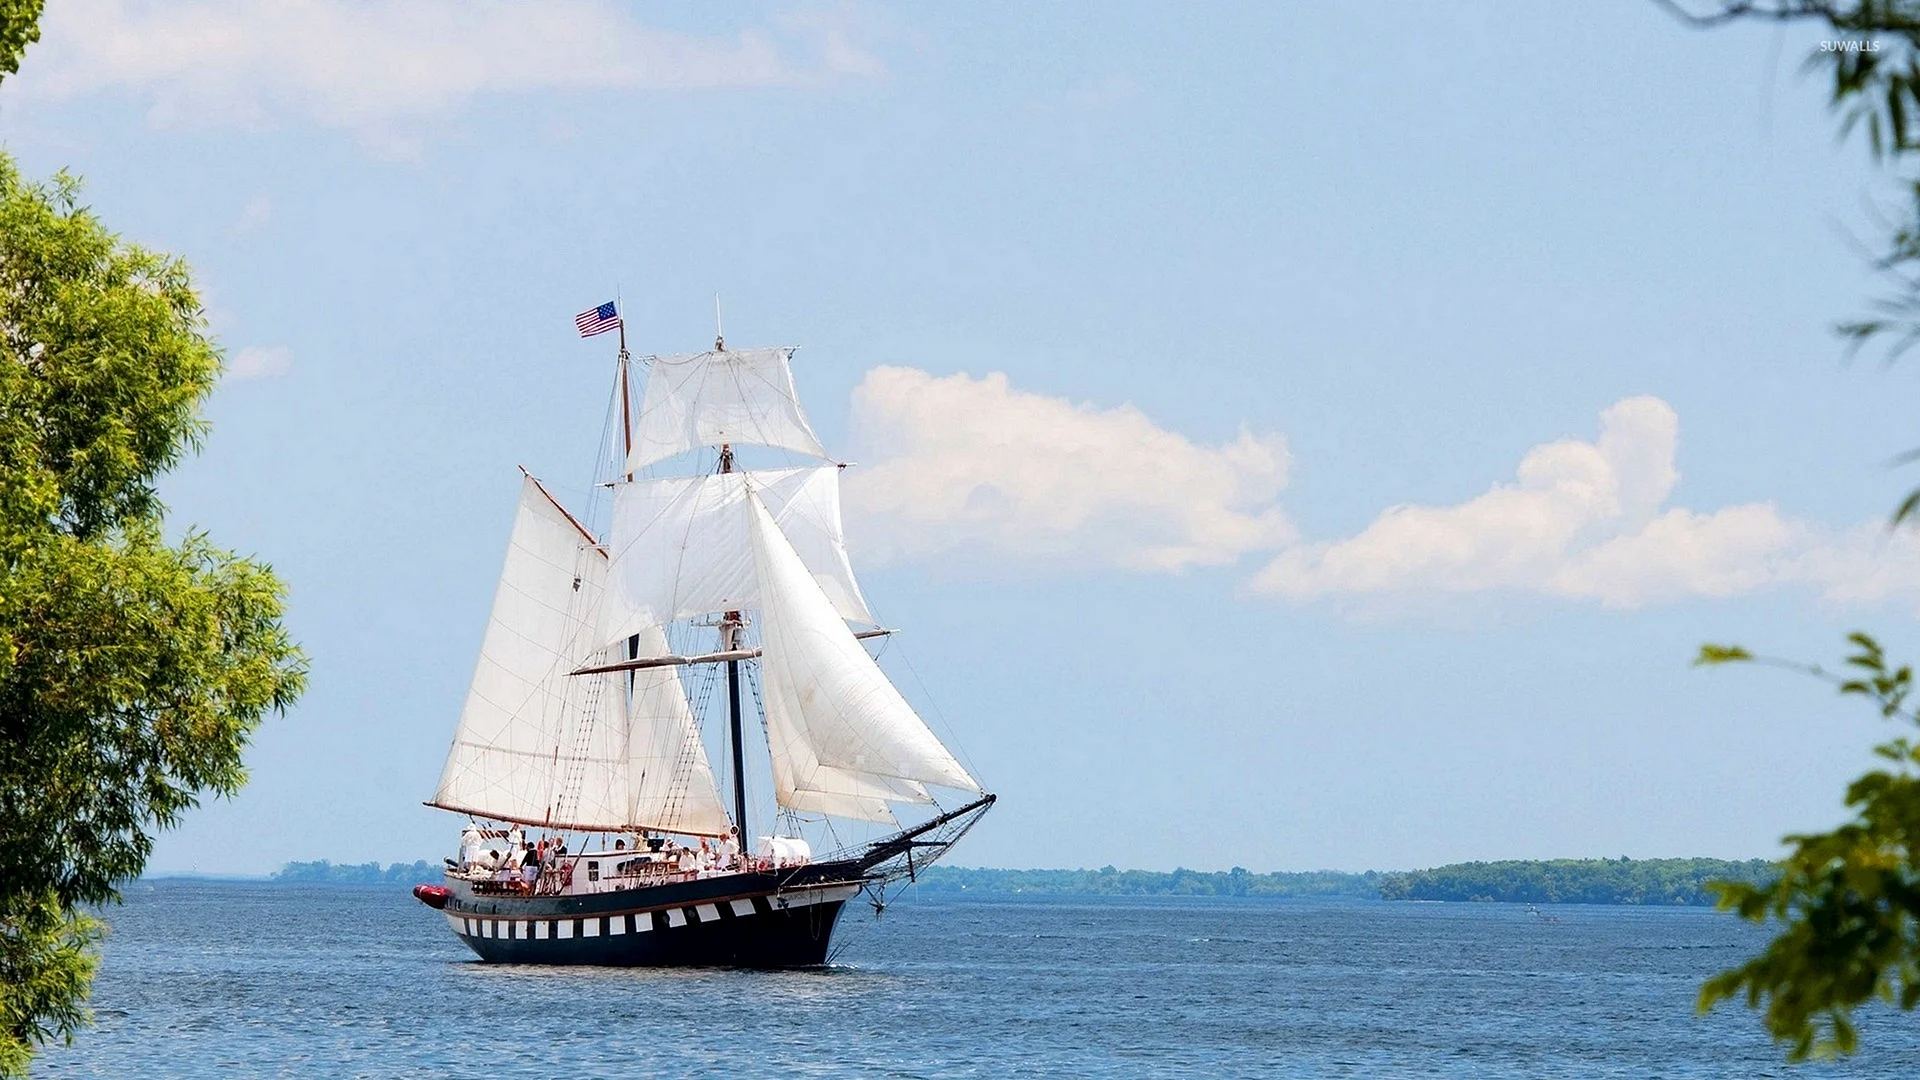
pixel 730 626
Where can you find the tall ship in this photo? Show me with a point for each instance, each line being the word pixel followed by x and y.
pixel 717 591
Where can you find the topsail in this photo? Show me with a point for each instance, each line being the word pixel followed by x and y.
pixel 679 545
pixel 739 396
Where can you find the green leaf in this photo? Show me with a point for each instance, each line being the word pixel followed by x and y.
pixel 1721 654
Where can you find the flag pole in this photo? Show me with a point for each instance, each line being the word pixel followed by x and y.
pixel 626 399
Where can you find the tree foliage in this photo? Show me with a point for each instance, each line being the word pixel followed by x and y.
pixel 323 872
pixel 132 669
pixel 1108 881
pixel 19 28
pixel 1847 902
pixel 1664 882
pixel 46 966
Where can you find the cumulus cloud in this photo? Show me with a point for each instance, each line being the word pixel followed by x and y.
pixel 1586 520
pixel 965 465
pixel 260 362
pixel 380 68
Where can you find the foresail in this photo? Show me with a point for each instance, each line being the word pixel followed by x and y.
pixel 741 396
pixel 680 545
pixel 801 782
pixel 833 719
pixel 671 779
pixel 838 792
pixel 540 746
pixel 526 723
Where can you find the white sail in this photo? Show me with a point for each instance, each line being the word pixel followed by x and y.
pixel 838 792
pixel 679 545
pixel 536 745
pixel 856 807
pixel 832 717
pixel 670 782
pixel 522 710
pixel 731 396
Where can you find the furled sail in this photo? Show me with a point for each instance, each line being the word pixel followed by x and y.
pixel 537 746
pixel 670 781
pixel 837 730
pixel 723 396
pixel 680 548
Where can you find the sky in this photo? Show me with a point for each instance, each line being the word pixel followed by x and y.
pixel 1287 437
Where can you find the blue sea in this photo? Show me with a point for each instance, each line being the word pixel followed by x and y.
pixel 221 979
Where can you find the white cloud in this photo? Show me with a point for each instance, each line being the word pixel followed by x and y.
pixel 1585 520
pixel 260 362
pixel 972 466
pixel 257 212
pixel 383 67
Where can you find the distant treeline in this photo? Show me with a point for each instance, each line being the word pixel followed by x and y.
pixel 1553 881
pixel 326 873
pixel 1108 881
pixel 1575 881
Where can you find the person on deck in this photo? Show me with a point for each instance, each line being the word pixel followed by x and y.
pixel 470 841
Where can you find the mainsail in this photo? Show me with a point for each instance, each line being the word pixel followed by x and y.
pixel 738 396
pixel 670 782
pixel 842 739
pixel 679 545
pixel 537 746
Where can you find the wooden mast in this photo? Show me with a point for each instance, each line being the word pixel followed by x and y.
pixel 626 401
pixel 626 452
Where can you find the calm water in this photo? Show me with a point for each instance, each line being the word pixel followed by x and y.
pixel 253 980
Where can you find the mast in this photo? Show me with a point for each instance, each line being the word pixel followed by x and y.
pixel 626 400
pixel 730 640
pixel 626 451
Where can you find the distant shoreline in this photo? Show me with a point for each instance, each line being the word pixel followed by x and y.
pixel 1643 882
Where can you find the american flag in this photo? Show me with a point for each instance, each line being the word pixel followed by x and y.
pixel 597 320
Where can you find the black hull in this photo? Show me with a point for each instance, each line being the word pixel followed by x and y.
pixel 775 919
